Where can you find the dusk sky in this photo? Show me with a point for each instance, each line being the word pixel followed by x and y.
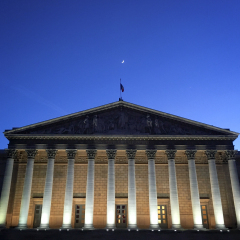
pixel 59 57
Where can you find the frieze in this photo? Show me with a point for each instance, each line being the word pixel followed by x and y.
pixel 101 160
pixel 180 160
pixel 21 157
pixel 121 160
pixel 81 160
pixel 201 159
pixel 61 159
pixel 141 160
pixel 161 160
pixel 121 121
pixel 41 159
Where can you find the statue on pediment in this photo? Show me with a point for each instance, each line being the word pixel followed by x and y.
pixel 86 125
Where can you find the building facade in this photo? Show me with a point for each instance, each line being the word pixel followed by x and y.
pixel 120 166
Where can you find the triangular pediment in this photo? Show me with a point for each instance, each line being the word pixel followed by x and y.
pixel 119 118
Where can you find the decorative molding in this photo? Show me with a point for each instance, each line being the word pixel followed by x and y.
pixel 231 154
pixel 180 160
pixel 151 153
pixel 170 153
pixel 119 137
pixel 101 160
pixel 31 153
pixel 51 153
pixel 91 153
pixel 211 154
pixel 161 160
pixel 71 153
pixel 121 160
pixel 111 153
pixel 190 154
pixel 11 153
pixel 131 153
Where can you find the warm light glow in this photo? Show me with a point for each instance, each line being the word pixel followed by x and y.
pixel 111 214
pixel 66 218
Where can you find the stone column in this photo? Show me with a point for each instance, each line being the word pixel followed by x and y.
pixel 67 212
pixel 152 188
pixel 47 196
pixel 23 217
pixel 176 224
pixel 196 207
pixel 88 223
pixel 132 203
pixel 6 186
pixel 235 183
pixel 216 197
pixel 111 153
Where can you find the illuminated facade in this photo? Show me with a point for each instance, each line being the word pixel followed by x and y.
pixel 120 166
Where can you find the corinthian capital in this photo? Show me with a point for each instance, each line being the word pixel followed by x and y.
pixel 151 153
pixel 111 153
pixel 31 153
pixel 231 154
pixel 71 153
pixel 210 154
pixel 11 153
pixel 131 153
pixel 51 153
pixel 91 153
pixel 170 153
pixel 190 154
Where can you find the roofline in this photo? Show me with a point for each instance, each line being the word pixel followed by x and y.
pixel 120 103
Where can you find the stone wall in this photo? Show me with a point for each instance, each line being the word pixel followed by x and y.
pixel 121 187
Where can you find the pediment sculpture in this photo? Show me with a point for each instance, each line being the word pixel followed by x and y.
pixel 121 121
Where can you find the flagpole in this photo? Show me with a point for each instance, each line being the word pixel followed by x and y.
pixel 120 90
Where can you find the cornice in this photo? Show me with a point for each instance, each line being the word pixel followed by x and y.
pixel 120 137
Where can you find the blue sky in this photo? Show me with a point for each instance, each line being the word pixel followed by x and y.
pixel 60 57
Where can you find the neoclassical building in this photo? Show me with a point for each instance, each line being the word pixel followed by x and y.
pixel 120 166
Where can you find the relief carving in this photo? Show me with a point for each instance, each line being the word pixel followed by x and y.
pixel 122 121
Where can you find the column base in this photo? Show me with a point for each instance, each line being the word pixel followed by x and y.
pixel 66 226
pixel 176 227
pixel 110 226
pixel 199 227
pixel 43 227
pixel 132 227
pixel 154 227
pixel 21 226
pixel 221 227
pixel 2 226
pixel 88 227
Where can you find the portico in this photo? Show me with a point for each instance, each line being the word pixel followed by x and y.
pixel 121 165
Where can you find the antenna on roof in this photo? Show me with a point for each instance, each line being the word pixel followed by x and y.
pixel 121 90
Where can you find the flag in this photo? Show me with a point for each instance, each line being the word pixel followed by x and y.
pixel 121 87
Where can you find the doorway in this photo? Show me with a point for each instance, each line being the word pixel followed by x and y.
pixel 37 215
pixel 121 216
pixel 79 215
pixel 162 216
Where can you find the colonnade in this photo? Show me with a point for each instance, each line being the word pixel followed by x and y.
pixel 132 203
